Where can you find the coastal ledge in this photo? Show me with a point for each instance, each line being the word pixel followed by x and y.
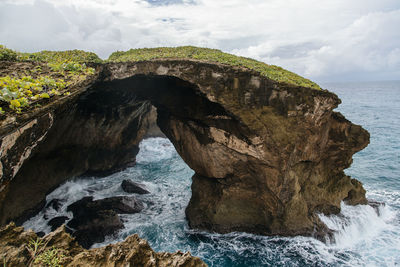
pixel 17 248
pixel 268 155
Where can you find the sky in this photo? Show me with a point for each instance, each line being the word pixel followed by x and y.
pixel 323 40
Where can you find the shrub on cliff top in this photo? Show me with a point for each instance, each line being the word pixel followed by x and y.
pixel 271 71
pixel 7 54
pixel 77 56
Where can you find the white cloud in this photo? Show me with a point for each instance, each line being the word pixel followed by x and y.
pixel 323 40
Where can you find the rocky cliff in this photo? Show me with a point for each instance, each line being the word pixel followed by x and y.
pixel 268 155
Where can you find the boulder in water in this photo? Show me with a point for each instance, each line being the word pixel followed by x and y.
pixel 55 204
pixel 95 219
pixel 94 227
pixel 132 187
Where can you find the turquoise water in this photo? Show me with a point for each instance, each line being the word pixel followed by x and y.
pixel 363 237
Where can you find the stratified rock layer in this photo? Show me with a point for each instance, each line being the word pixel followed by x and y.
pixel 133 251
pixel 267 156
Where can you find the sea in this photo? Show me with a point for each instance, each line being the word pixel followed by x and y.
pixel 363 236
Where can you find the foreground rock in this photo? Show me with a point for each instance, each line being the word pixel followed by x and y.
pixel 132 187
pixel 14 250
pixel 95 219
pixel 268 156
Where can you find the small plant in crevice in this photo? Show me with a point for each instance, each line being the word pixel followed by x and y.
pixel 40 255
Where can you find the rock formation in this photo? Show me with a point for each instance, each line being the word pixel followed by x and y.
pixel 268 156
pixel 133 251
pixel 95 219
pixel 132 187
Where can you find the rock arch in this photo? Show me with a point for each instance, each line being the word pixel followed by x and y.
pixel 267 156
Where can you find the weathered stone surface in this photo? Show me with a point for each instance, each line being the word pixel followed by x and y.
pixel 267 155
pixel 133 251
pixel 132 187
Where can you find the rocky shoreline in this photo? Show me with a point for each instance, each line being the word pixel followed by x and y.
pixel 17 249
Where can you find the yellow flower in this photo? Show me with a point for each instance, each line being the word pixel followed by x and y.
pixel 14 104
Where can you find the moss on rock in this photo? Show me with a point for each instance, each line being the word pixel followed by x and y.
pixel 214 55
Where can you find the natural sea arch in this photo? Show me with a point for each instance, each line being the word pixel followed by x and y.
pixel 267 156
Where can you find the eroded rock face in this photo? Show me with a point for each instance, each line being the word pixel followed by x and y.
pixel 268 156
pixel 133 251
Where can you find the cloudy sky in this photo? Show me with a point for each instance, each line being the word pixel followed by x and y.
pixel 324 40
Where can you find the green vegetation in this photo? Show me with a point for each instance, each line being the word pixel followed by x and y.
pixel 7 54
pixel 55 72
pixel 52 76
pixel 43 256
pixel 76 56
pixel 21 92
pixel 51 257
pixel 273 72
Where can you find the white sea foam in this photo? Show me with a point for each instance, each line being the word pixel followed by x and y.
pixel 155 149
pixel 355 224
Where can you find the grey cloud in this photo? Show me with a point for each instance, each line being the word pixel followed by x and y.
pixel 346 39
pixel 294 50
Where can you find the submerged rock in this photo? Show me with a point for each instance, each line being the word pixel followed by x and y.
pixel 133 251
pixel 376 205
pixel 55 204
pixel 132 187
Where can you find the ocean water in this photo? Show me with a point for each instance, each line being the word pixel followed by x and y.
pixel 363 236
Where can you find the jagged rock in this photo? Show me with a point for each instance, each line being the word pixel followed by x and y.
pixel 267 155
pixel 133 251
pixel 132 187
pixel 95 219
pixel 57 222
pixel 94 227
